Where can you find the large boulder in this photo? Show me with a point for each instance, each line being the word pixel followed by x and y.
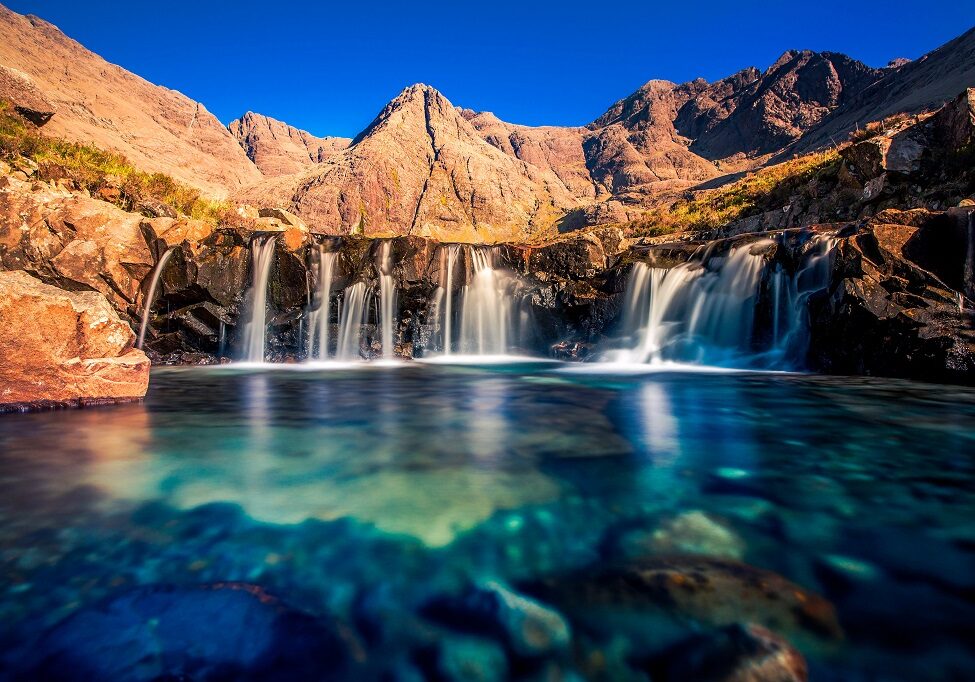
pixel 64 347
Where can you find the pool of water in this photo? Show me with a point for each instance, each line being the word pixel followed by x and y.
pixel 364 495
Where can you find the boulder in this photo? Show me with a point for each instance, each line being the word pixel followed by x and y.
pixel 737 653
pixel 224 631
pixel 64 347
pixel 20 90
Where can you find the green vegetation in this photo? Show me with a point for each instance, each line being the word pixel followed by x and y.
pixel 106 174
pixel 755 193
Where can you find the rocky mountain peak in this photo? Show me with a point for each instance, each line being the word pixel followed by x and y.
pixel 278 148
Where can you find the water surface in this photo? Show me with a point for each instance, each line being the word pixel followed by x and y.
pixel 333 488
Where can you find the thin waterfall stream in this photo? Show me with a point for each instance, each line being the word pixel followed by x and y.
pixel 151 294
pixel 255 331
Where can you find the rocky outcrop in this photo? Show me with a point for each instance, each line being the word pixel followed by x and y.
pixel 17 88
pixel 897 303
pixel 157 129
pixel 280 149
pixel 64 347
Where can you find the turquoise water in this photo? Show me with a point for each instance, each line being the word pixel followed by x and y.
pixel 358 495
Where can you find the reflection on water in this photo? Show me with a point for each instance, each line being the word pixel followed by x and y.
pixel 330 487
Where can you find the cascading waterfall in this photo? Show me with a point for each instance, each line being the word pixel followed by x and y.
pixel 387 299
pixel 262 258
pixel 790 298
pixel 151 294
pixel 321 318
pixel 703 311
pixel 482 320
pixel 354 314
pixel 485 318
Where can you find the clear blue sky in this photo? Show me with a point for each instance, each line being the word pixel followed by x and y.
pixel 329 68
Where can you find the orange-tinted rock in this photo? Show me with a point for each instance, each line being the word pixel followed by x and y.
pixel 64 347
pixel 280 149
pixel 158 129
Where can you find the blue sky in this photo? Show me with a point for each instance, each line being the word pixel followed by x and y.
pixel 329 68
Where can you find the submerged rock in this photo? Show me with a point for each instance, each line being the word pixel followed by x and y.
pixel 662 599
pixel 215 632
pixel 738 653
pixel 696 532
pixel 528 627
pixel 64 347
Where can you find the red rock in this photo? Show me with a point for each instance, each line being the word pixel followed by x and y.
pixel 279 149
pixel 64 347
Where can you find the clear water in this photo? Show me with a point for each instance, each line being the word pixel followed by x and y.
pixel 335 488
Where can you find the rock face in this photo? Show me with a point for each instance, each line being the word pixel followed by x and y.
pixel 755 114
pixel 421 168
pixel 64 347
pixel 279 149
pixel 99 103
pixel 924 83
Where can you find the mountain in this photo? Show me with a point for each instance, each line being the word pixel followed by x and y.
pixel 754 114
pixel 915 86
pixel 278 148
pixel 421 168
pixel 158 129
pixel 426 167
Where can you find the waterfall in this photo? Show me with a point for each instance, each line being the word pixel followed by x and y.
pixel 485 316
pixel 703 311
pixel 445 296
pixel 790 298
pixel 354 314
pixel 262 257
pixel 387 299
pixel 318 340
pixel 151 294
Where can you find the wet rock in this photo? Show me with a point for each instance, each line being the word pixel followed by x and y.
pixel 528 627
pixel 693 591
pixel 692 532
pixel 64 347
pixel 737 653
pixel 469 659
pixel 220 631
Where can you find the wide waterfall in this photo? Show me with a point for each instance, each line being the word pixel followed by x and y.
pixel 262 258
pixel 387 300
pixel 321 318
pixel 151 294
pixel 481 317
pixel 355 313
pixel 704 311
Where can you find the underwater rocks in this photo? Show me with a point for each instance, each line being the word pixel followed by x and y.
pixel 674 594
pixel 737 653
pixel 221 631
pixel 64 347
pixel 528 627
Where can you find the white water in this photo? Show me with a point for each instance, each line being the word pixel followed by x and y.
pixel 387 300
pixel 481 323
pixel 321 318
pixel 354 313
pixel 151 294
pixel 262 257
pixel 485 318
pixel 703 311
